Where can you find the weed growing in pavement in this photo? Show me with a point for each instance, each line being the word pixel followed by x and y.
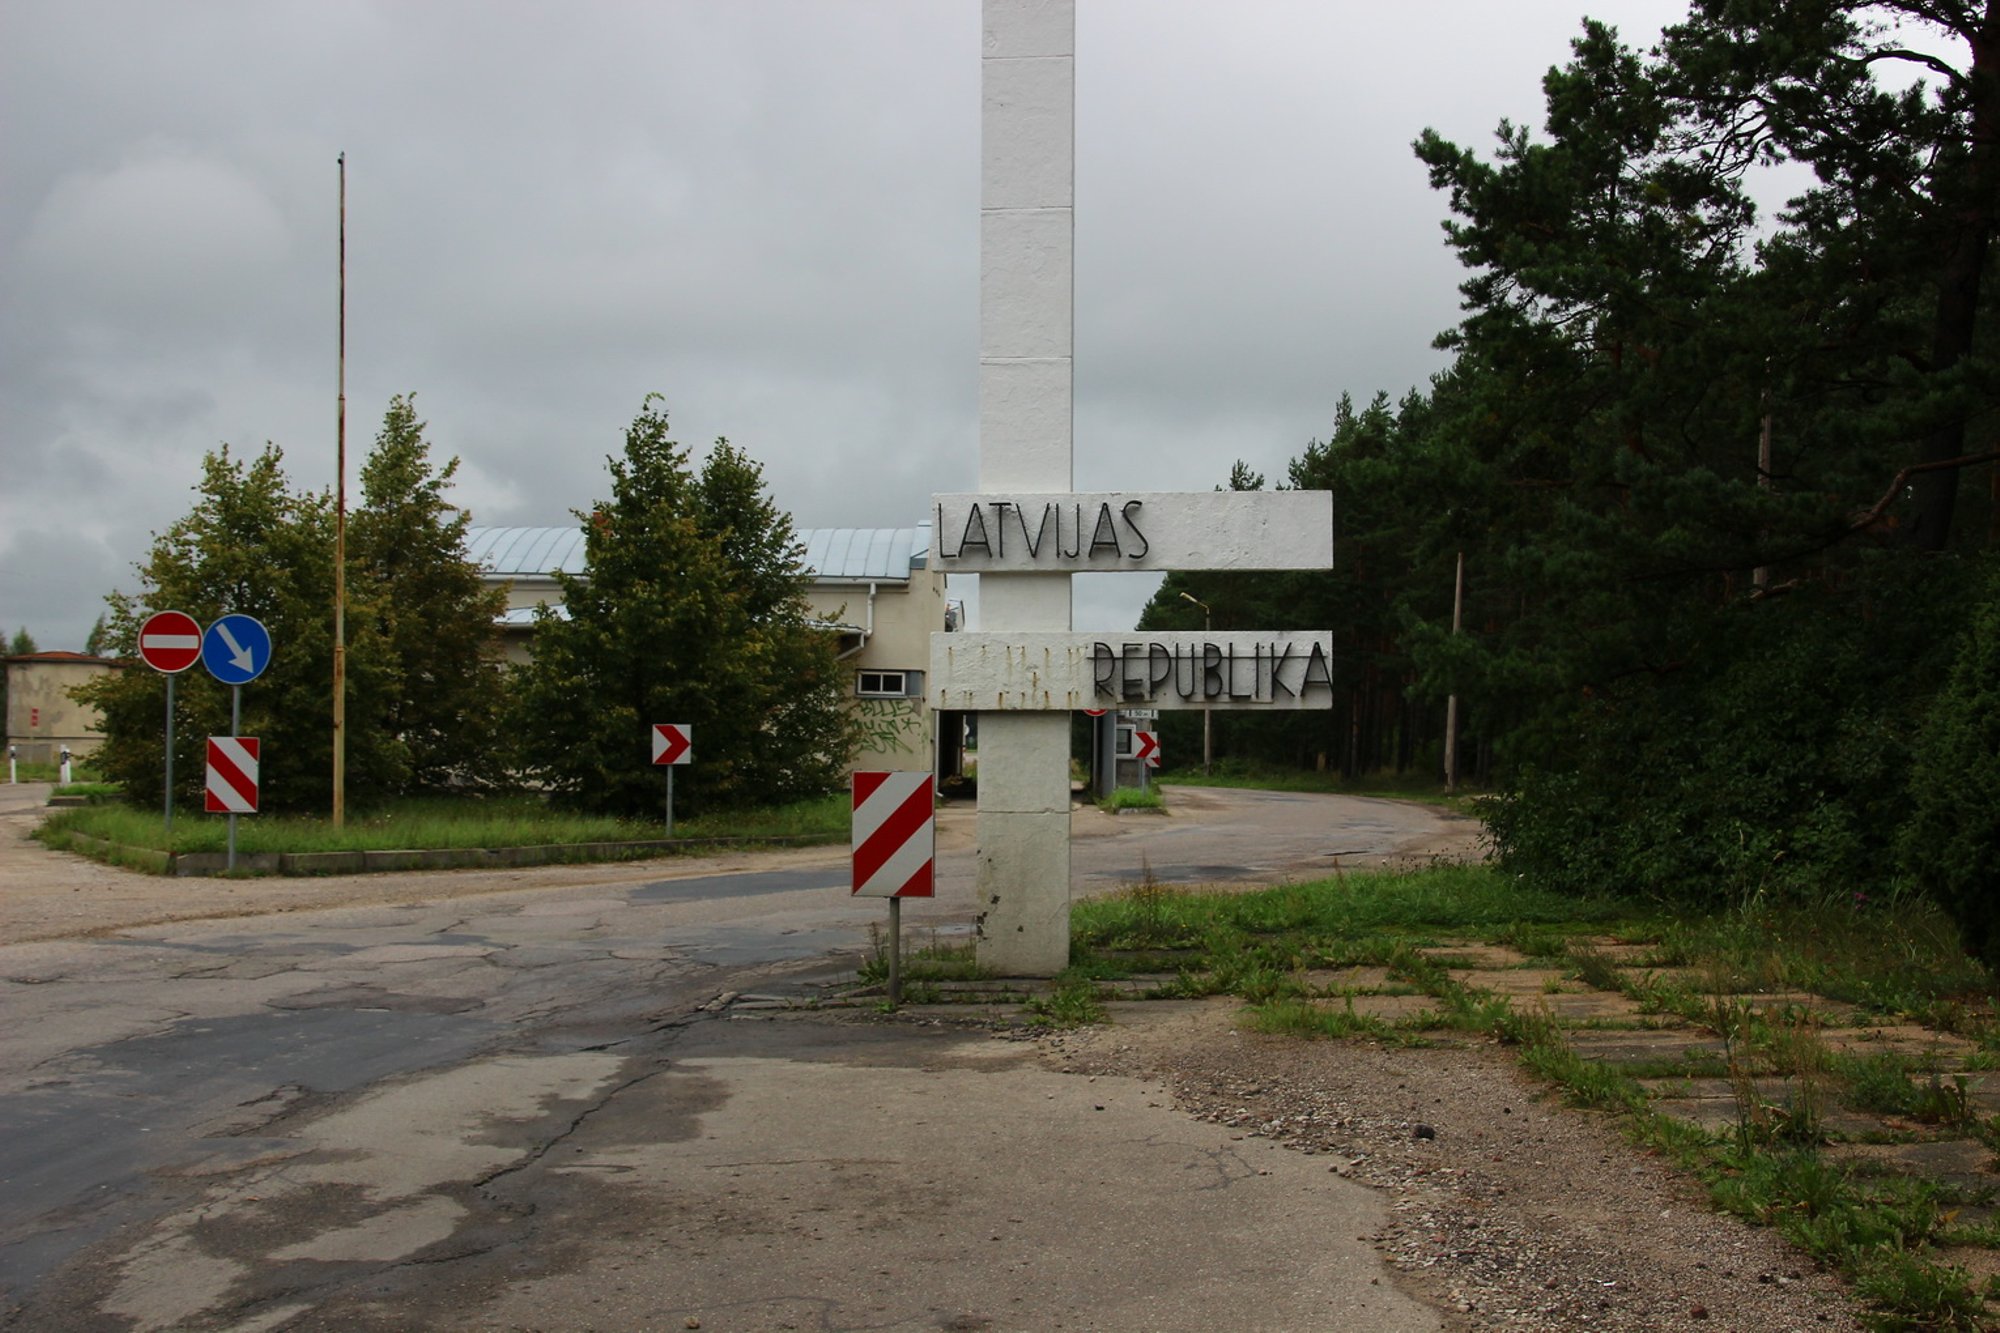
pixel 1923 1295
pixel 1134 798
pixel 938 960
pixel 1072 1003
pixel 1594 968
pixel 1301 1018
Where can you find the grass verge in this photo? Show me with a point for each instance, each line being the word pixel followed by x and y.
pixel 459 822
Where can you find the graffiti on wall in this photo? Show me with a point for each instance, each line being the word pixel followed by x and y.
pixel 891 725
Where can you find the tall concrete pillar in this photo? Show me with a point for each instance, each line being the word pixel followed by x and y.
pixel 1026 243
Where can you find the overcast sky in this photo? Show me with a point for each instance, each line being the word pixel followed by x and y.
pixel 765 210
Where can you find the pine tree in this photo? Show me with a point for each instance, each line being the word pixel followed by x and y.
pixel 1678 725
pixel 691 610
pixel 406 548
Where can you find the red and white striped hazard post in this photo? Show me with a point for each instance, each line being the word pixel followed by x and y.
pixel 895 850
pixel 230 787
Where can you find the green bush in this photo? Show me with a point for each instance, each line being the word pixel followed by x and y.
pixel 1771 761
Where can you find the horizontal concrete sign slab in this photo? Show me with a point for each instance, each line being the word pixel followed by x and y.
pixel 996 532
pixel 1055 672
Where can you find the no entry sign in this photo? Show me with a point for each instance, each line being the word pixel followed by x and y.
pixel 895 836
pixel 170 641
pixel 231 788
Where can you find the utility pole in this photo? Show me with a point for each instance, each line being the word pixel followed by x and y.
pixel 1760 578
pixel 340 537
pixel 1207 714
pixel 1451 703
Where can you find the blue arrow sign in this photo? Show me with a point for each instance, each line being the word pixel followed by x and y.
pixel 236 649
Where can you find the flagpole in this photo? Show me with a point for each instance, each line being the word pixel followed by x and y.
pixel 340 539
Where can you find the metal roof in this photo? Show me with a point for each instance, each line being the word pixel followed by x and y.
pixel 831 554
pixel 861 554
pixel 514 552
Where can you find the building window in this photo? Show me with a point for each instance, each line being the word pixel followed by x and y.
pixel 889 684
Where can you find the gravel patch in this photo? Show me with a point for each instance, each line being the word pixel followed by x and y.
pixel 1509 1210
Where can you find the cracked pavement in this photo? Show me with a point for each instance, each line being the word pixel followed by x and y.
pixel 521 1108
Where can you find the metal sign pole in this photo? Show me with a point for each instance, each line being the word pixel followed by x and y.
pixel 235 729
pixel 895 952
pixel 170 763
pixel 670 800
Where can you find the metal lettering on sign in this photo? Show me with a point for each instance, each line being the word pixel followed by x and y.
pixel 1003 533
pixel 1278 669
pixel 673 743
pixel 231 786
pixel 895 835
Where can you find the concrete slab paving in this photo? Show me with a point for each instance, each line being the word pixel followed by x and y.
pixel 1910 1040
pixel 1629 1045
pixel 1937 1157
pixel 805 1171
pixel 1525 982
pixel 1389 1008
pixel 1349 980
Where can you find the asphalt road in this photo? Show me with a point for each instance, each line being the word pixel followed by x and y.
pixel 457 1112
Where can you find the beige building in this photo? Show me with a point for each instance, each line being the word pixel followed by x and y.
pixel 873 586
pixel 41 717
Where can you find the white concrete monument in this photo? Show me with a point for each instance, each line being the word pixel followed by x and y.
pixel 1024 533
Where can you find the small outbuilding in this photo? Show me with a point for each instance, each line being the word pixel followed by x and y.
pixel 42 719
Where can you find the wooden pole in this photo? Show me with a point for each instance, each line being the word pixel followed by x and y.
pixel 1451 703
pixel 1760 578
pixel 340 537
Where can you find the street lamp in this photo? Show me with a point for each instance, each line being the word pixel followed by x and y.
pixel 1207 737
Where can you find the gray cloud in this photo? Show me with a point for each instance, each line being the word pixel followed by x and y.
pixel 765 210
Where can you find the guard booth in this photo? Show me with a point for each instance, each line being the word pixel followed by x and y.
pixel 1114 749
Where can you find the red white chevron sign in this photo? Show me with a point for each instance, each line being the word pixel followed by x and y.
pixel 895 838
pixel 673 743
pixel 232 775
